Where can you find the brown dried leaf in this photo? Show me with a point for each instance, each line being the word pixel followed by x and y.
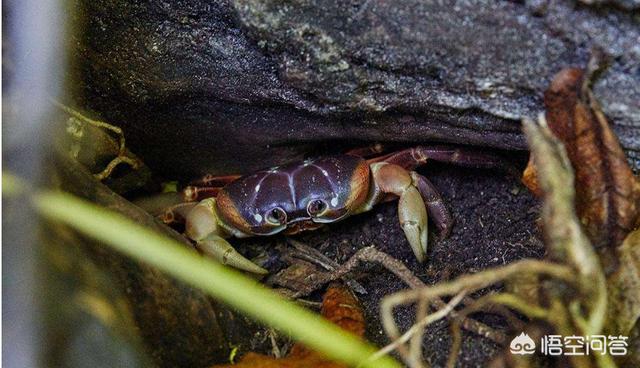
pixel 607 193
pixel 530 178
pixel 565 239
pixel 607 199
pixel 338 306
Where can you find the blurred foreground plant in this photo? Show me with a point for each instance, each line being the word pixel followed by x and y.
pixel 219 281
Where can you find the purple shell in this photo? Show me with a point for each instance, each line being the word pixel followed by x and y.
pixel 292 187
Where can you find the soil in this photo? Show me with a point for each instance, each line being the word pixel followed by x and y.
pixel 495 224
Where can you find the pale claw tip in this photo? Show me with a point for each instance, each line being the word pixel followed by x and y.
pixel 221 250
pixel 417 238
pixel 413 219
pixel 248 266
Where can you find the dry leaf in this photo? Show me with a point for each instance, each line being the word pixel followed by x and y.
pixel 530 178
pixel 564 237
pixel 607 193
pixel 338 306
pixel 607 198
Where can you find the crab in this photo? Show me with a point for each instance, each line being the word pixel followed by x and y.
pixel 309 194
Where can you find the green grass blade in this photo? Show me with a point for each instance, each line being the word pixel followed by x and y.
pixel 221 282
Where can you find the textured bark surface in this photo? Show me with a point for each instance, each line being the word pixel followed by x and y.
pixel 232 86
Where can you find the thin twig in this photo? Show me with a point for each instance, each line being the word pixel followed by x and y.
pixel 513 320
pixel 415 344
pixel 97 123
pixel 419 326
pixel 112 165
pixel 510 300
pixel 484 279
pixel 313 255
pixel 275 350
pixel 122 153
pixel 372 255
pixel 472 283
pixel 310 254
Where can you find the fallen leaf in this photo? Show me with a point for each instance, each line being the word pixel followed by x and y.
pixel 607 193
pixel 338 306
pixel 607 199
pixel 530 178
pixel 565 239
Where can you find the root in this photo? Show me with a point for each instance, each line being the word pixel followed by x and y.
pixel 416 331
pixel 372 255
pixel 459 287
pixel 121 157
pixel 431 307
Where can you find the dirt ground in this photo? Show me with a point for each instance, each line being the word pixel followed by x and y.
pixel 494 225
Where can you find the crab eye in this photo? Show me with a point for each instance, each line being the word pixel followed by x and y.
pixel 316 207
pixel 277 216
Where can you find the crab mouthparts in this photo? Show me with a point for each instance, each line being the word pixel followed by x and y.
pixel 301 224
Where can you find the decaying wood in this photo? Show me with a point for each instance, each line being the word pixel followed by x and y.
pixel 98 144
pixel 179 325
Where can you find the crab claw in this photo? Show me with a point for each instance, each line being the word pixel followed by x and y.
pixel 413 219
pixel 220 249
pixel 390 178
pixel 202 226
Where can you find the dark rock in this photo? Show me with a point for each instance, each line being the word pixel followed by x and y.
pixel 232 86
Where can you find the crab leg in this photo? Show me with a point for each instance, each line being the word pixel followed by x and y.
pixel 412 212
pixel 202 225
pixel 473 158
pixel 176 214
pixel 194 193
pixel 158 204
pixel 207 186
pixel 367 151
pixel 435 205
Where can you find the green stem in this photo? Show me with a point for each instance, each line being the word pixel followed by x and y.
pixel 219 281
